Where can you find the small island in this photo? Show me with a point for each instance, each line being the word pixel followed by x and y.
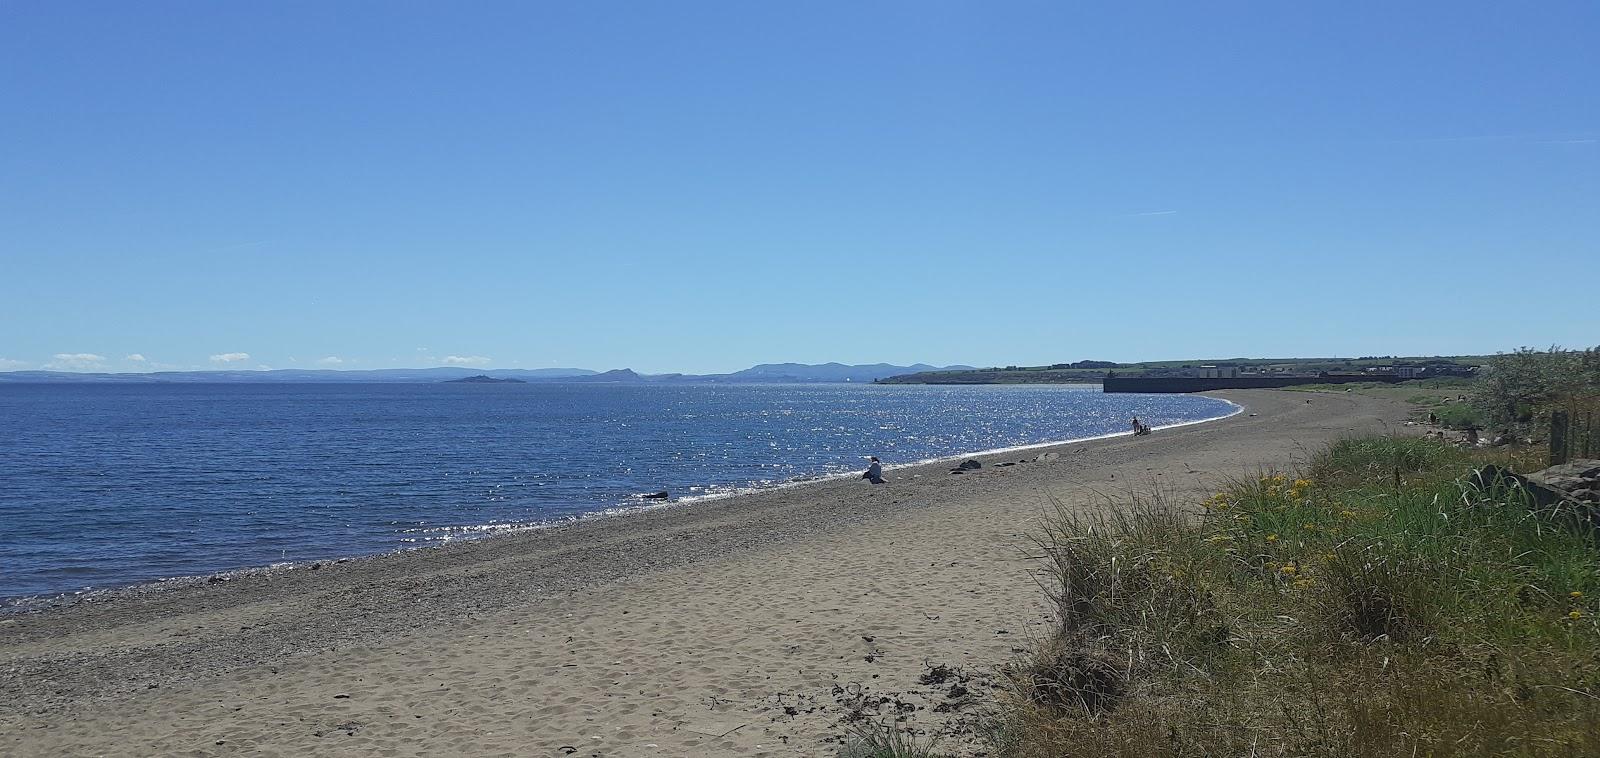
pixel 485 379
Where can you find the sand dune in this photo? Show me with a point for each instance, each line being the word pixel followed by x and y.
pixel 750 626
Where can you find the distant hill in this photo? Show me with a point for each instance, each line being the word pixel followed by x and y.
pixel 1094 372
pixel 767 373
pixel 775 373
pixel 442 373
pixel 614 375
pixel 482 379
pixel 828 372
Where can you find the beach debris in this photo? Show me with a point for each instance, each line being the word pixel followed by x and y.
pixel 971 464
pixel 349 728
pixel 958 471
pixel 937 674
pixel 662 495
pixel 341 696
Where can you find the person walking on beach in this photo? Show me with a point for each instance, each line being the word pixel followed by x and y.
pixel 1136 425
pixel 874 471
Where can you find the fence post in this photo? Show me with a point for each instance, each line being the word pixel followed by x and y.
pixel 1558 438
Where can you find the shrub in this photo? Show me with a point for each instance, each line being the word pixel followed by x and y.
pixel 1379 605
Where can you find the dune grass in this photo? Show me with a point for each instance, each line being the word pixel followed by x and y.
pixel 1369 605
pixel 887 740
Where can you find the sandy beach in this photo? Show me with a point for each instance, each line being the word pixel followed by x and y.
pixel 759 625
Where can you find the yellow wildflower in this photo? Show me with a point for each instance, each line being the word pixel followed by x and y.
pixel 1290 570
pixel 1347 514
pixel 1302 583
pixel 1575 615
pixel 1272 538
pixel 1575 595
pixel 1301 484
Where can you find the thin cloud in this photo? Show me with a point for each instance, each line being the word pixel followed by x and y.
pixel 1536 139
pixel 1468 138
pixel 75 361
pixel 1152 213
pixel 466 360
pixel 135 357
pixel 230 357
pixel 332 360
pixel 8 364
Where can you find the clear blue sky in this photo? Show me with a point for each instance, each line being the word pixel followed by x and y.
pixel 698 186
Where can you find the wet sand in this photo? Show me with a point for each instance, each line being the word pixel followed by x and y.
pixel 754 625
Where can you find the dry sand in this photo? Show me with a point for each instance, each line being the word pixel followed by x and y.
pixel 756 625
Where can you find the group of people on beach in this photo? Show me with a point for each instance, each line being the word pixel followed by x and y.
pixel 874 472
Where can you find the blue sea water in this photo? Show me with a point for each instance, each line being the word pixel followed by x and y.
pixel 107 485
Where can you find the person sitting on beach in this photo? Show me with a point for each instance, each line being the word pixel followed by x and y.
pixel 874 471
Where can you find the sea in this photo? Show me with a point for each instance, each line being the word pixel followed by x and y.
pixel 107 485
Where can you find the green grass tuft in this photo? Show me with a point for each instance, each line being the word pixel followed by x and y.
pixel 1374 605
pixel 873 740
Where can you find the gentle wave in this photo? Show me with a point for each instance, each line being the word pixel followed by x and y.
pixel 120 485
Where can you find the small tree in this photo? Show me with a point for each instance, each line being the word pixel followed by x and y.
pixel 1526 383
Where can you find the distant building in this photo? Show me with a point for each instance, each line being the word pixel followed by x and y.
pixel 1219 372
pixel 1408 372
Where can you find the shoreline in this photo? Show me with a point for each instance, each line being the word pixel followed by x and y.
pixel 753 625
pixel 21 604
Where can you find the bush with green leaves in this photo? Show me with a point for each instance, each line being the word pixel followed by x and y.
pixel 1522 387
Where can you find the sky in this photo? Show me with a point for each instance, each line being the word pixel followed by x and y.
pixel 701 186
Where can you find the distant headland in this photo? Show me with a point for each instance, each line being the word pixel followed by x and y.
pixel 1221 373
pixel 766 373
pixel 483 379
